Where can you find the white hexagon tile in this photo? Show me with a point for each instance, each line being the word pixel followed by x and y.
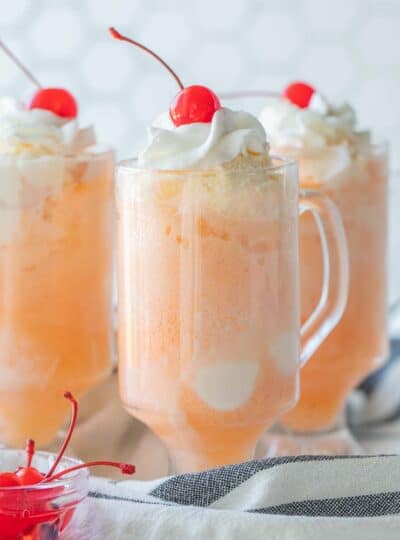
pixel 349 48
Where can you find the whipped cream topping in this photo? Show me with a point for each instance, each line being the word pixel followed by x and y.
pixel 318 126
pixel 36 132
pixel 203 145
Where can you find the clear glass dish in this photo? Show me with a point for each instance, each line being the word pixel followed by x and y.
pixel 41 511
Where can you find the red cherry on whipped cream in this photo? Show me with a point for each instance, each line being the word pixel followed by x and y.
pixel 57 100
pixel 299 93
pixel 193 103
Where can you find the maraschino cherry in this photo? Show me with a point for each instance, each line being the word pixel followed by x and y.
pixel 193 103
pixel 299 93
pixel 57 100
pixel 23 510
pixel 28 475
pixel 9 479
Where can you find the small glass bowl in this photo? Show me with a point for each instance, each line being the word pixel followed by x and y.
pixel 40 511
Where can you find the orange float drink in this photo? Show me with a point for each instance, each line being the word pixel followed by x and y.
pixel 55 282
pixel 208 305
pixel 336 160
pixel 358 345
pixel 209 333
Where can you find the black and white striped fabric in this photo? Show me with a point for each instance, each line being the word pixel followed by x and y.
pixel 296 498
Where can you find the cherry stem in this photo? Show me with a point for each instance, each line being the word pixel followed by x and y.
pixel 21 66
pixel 115 34
pixel 71 428
pixel 249 93
pixel 30 451
pixel 125 468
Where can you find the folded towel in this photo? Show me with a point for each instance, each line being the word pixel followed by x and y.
pixel 296 498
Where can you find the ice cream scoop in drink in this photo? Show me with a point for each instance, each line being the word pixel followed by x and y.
pixel 208 281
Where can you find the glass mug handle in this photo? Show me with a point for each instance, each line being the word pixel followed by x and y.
pixel 335 276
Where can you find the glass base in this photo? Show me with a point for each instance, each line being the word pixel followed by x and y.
pixel 182 462
pixel 282 442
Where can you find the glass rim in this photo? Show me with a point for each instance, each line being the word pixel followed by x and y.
pixel 91 153
pixel 74 476
pixel 284 162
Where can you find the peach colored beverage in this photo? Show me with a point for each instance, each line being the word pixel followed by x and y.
pixel 209 311
pixel 55 282
pixel 358 345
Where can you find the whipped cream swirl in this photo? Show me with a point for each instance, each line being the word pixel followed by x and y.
pixel 203 145
pixel 37 132
pixel 318 126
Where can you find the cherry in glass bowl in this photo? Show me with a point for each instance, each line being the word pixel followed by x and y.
pixel 40 511
pixel 39 492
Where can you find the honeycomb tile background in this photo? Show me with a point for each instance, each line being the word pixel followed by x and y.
pixel 348 48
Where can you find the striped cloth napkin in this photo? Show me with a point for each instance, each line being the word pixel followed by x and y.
pixel 296 498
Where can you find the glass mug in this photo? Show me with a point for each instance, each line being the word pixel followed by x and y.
pixel 56 219
pixel 209 313
pixel 359 344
